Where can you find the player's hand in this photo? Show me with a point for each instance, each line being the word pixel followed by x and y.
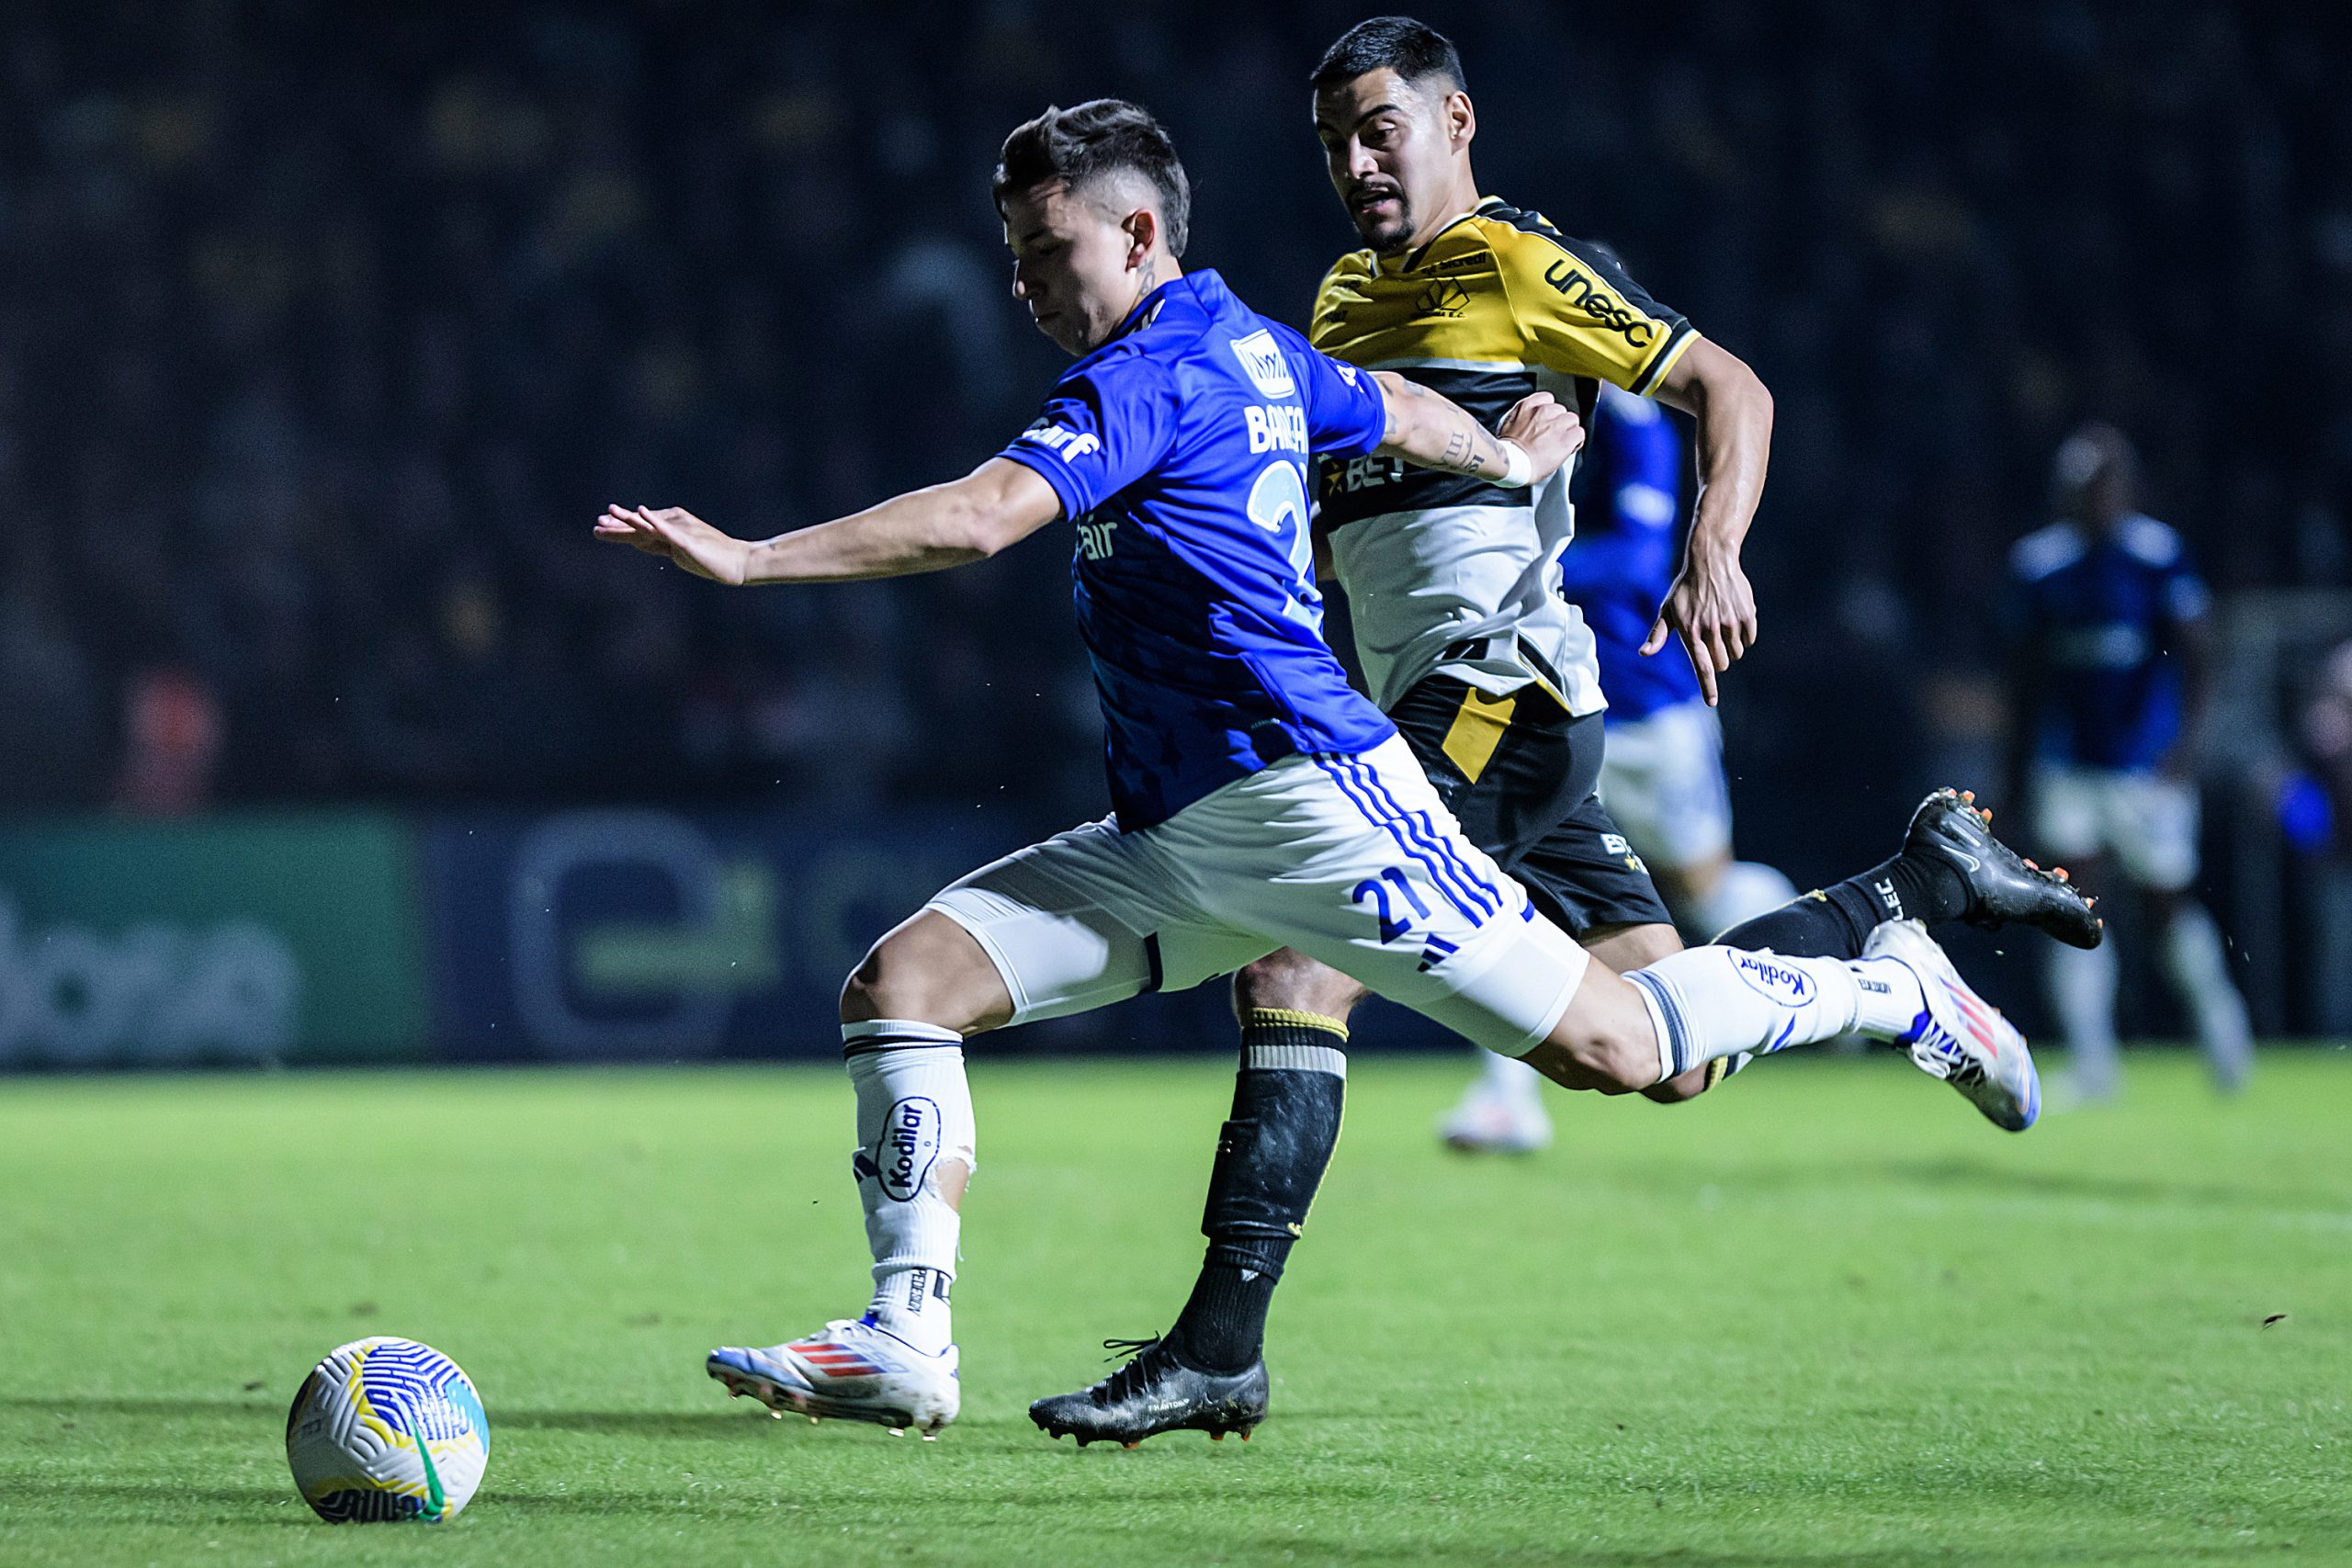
pixel 1545 429
pixel 679 535
pixel 1712 610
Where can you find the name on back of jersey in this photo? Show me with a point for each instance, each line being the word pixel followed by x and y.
pixel 1276 427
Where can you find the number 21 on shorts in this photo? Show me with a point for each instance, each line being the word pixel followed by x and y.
pixel 1393 922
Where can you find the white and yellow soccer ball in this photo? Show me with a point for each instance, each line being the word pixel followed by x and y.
pixel 387 1430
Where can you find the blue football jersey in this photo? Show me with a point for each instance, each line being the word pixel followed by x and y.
pixel 2098 613
pixel 1180 448
pixel 1628 494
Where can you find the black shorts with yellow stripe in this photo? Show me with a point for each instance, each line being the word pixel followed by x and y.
pixel 1519 773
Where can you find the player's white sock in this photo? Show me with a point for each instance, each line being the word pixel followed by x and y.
pixel 914 1114
pixel 1709 1002
pixel 2201 973
pixel 1508 1079
pixel 1743 891
pixel 2082 993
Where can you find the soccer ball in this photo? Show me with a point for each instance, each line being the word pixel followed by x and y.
pixel 386 1428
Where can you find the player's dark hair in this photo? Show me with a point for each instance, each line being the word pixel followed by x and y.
pixel 1415 50
pixel 1106 135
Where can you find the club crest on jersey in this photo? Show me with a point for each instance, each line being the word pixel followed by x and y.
pixel 1263 360
pixel 1784 983
pixel 909 1146
pixel 1442 298
pixel 1069 446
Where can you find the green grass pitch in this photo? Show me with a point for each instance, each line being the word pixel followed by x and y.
pixel 1827 1315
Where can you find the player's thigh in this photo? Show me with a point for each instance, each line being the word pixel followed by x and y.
pixel 2153 830
pixel 1079 922
pixel 1355 862
pixel 2068 822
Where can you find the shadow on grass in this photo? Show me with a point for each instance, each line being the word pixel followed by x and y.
pixel 622 1423
pixel 1986 1175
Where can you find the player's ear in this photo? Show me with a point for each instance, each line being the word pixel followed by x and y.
pixel 1461 119
pixel 1142 228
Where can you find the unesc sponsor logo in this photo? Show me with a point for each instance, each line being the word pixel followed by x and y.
pixel 1783 982
pixel 907 1147
pixel 1579 290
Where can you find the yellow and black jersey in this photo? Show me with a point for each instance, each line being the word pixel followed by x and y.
pixel 1447 571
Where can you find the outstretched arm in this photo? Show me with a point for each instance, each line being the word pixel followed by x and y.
pixel 997 504
pixel 1434 432
pixel 1711 605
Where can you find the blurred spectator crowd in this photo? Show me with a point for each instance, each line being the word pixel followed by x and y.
pixel 329 329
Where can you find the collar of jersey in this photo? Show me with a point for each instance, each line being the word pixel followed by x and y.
pixel 1414 260
pixel 1146 309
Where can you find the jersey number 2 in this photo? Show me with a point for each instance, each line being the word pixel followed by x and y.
pixel 1278 501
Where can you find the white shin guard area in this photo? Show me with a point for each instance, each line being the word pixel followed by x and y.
pixel 1707 1002
pixel 914 1116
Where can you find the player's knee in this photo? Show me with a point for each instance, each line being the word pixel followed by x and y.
pixel 1295 983
pixel 1676 1091
pixel 1605 1042
pixel 929 970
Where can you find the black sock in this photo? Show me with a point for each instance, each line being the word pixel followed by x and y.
pixel 1834 921
pixel 1270 1159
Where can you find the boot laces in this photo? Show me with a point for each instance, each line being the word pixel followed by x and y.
pixel 1142 1366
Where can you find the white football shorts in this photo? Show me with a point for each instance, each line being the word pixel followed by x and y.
pixel 1662 779
pixel 1353 861
pixel 2147 821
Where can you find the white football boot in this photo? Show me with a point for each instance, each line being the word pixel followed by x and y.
pixel 1489 1121
pixel 854 1370
pixel 1959 1037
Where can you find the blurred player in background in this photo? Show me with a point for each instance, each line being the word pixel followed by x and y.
pixel 1662 771
pixel 2110 668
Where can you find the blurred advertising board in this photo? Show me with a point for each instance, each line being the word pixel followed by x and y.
pixel 623 934
pixel 657 935
pixel 256 938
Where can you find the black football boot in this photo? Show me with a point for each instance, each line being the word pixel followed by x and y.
pixel 2003 887
pixel 1155 1393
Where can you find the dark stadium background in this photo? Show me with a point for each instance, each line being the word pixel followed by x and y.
pixel 328 329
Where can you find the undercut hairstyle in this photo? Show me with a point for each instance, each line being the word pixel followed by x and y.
pixel 1415 50
pixel 1104 137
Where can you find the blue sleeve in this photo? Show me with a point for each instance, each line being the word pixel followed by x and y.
pixel 1105 426
pixel 2185 596
pixel 1346 414
pixel 1636 482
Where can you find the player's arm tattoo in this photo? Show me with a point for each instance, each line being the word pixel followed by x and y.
pixel 1437 432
